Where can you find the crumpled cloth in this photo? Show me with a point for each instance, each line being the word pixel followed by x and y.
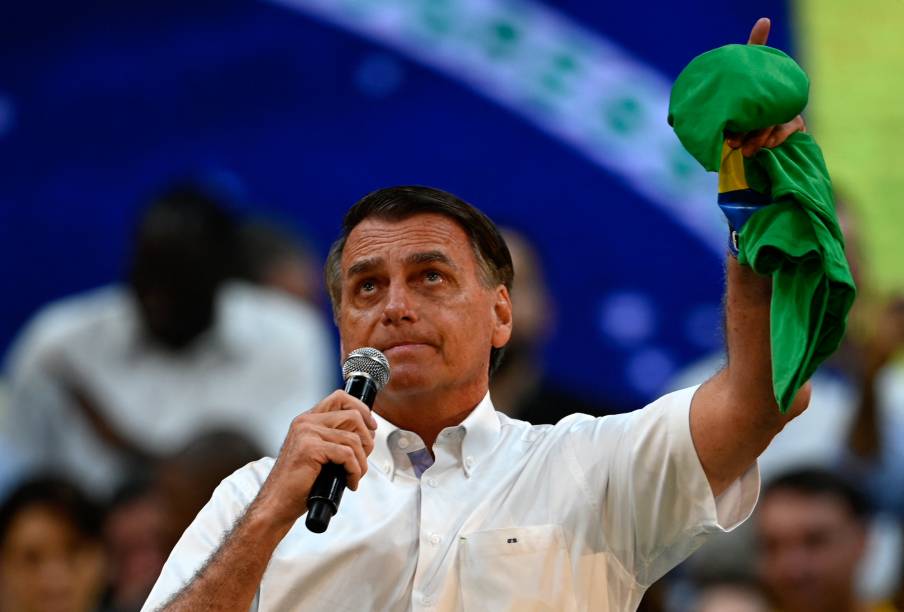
pixel 796 239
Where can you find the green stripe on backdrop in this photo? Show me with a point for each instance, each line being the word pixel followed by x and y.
pixel 854 54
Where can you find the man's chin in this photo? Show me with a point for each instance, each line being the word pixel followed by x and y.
pixel 405 380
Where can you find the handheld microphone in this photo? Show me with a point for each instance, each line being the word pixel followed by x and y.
pixel 366 371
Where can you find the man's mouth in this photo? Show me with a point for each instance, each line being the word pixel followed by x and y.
pixel 404 346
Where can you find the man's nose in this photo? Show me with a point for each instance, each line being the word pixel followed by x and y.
pixel 399 305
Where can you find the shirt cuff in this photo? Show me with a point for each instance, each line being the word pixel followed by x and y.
pixel 736 503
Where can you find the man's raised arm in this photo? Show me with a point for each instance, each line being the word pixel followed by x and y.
pixel 734 415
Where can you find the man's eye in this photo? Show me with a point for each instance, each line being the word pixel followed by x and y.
pixel 367 286
pixel 433 276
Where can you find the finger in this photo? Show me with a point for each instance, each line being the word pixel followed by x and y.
pixel 754 141
pixel 781 134
pixel 345 438
pixel 734 139
pixel 352 426
pixel 344 456
pixel 759 35
pixel 349 421
pixel 340 400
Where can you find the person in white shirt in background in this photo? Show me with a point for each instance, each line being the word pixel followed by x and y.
pixel 124 374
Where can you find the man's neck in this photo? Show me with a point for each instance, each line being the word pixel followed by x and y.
pixel 427 414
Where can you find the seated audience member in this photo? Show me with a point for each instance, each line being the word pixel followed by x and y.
pixel 186 479
pixel 51 552
pixel 811 528
pixel 134 533
pixel 876 440
pixel 11 466
pixel 274 257
pixel 731 595
pixel 123 374
pixel 520 386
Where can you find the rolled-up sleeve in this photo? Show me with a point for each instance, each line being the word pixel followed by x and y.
pixel 641 473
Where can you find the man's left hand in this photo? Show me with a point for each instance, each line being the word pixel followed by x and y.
pixel 751 142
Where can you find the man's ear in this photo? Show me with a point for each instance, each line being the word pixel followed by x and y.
pixel 502 309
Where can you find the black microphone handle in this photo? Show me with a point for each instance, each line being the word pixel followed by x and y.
pixel 326 493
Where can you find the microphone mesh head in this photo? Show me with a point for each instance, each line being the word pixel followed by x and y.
pixel 370 361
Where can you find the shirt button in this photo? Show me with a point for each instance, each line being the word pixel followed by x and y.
pixel 469 461
pixel 403 443
pixel 431 482
pixel 435 538
pixel 386 466
pixel 427 600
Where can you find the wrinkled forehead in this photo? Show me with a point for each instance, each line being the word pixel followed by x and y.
pixel 415 239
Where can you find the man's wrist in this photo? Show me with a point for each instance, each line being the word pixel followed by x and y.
pixel 738 207
pixel 266 517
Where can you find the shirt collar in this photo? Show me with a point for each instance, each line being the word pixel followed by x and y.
pixel 479 433
pixel 482 430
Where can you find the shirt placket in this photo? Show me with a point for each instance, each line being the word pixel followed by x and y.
pixel 434 524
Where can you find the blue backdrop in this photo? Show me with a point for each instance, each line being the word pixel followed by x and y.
pixel 300 115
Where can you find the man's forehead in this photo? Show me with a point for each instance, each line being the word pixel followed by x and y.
pixel 431 236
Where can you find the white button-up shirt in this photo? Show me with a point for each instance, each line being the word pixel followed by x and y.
pixel 511 516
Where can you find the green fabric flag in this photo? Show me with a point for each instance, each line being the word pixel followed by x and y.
pixel 796 239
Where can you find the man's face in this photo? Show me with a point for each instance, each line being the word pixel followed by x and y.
pixel 46 566
pixel 810 547
pixel 413 289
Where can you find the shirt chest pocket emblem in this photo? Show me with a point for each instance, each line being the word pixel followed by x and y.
pixel 519 568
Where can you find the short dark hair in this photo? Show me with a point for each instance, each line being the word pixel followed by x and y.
pixel 185 225
pixel 819 482
pixel 399 203
pixel 60 496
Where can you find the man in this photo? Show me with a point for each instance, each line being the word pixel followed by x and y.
pixel 811 527
pixel 124 374
pixel 453 505
pixel 51 549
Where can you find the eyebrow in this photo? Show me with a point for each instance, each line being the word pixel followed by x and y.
pixel 426 257
pixel 364 266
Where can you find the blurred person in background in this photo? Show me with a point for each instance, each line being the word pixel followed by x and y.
pixel 148 514
pixel 876 440
pixel 272 256
pixel 739 594
pixel 51 552
pixel 134 532
pixel 123 374
pixel 520 387
pixel 186 479
pixel 811 528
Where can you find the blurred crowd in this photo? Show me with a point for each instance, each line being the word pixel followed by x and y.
pixel 122 408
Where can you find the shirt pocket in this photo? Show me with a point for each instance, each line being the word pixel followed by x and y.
pixel 519 568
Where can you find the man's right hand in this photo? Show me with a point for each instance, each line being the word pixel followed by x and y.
pixel 340 429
